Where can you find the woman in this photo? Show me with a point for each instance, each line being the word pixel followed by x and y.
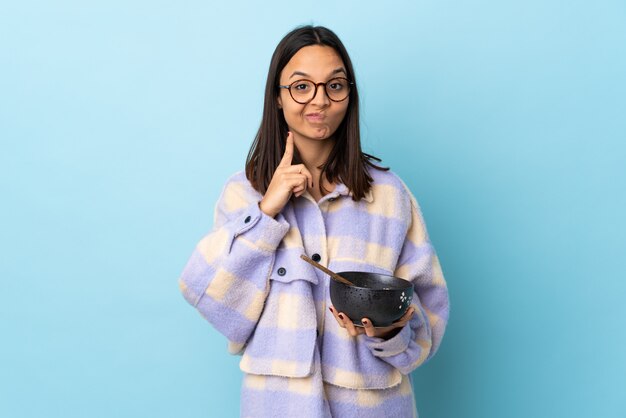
pixel 309 189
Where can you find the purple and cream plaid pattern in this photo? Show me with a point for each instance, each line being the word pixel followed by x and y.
pixel 247 279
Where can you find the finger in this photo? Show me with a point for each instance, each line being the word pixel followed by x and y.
pixel 308 175
pixel 294 180
pixel 368 327
pixel 302 185
pixel 296 168
pixel 336 315
pixel 400 323
pixel 407 315
pixel 405 318
pixel 295 183
pixel 300 169
pixel 300 188
pixel 349 325
pixel 288 155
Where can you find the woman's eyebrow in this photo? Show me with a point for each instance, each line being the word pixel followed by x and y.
pixel 335 71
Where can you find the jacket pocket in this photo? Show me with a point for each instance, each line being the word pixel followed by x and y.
pixel 358 368
pixel 283 342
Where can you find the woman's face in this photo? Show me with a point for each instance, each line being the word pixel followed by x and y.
pixel 320 118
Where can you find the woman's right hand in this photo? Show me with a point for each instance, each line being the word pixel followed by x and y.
pixel 287 180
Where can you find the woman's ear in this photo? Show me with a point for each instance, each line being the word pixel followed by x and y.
pixel 279 102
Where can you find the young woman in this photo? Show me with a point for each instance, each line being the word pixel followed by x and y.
pixel 308 189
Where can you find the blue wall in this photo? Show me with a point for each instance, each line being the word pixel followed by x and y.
pixel 120 122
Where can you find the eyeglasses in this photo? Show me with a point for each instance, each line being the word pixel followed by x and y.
pixel 303 91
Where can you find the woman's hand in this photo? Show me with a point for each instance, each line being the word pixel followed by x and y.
pixel 368 328
pixel 287 180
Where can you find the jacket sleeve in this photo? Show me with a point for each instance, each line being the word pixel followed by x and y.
pixel 420 338
pixel 227 277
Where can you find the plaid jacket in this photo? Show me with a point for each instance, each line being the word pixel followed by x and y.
pixel 247 279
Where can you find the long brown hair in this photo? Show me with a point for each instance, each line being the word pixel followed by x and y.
pixel 346 162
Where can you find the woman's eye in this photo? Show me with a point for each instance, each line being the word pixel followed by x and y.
pixel 336 85
pixel 301 87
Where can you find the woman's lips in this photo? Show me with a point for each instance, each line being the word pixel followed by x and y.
pixel 314 117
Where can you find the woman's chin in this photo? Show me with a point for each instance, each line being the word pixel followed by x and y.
pixel 316 134
pixel 320 133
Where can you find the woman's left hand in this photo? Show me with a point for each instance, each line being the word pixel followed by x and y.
pixel 368 327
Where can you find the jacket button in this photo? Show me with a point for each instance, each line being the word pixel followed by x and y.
pixel 247 219
pixel 332 199
pixel 316 257
pixel 282 271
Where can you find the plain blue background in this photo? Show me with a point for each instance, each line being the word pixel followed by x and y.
pixel 120 121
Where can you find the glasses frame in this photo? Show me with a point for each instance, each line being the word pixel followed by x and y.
pixel 350 83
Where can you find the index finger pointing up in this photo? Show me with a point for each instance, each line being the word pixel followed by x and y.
pixel 288 156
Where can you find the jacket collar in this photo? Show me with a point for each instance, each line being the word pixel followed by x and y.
pixel 342 190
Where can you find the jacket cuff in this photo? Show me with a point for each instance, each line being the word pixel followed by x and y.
pixel 260 229
pixel 391 347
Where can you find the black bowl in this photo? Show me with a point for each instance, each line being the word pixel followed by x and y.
pixel 381 298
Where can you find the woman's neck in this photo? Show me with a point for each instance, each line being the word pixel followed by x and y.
pixel 314 153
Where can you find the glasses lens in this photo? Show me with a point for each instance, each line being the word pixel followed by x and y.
pixel 302 91
pixel 337 89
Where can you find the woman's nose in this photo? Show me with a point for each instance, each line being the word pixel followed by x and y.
pixel 320 98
